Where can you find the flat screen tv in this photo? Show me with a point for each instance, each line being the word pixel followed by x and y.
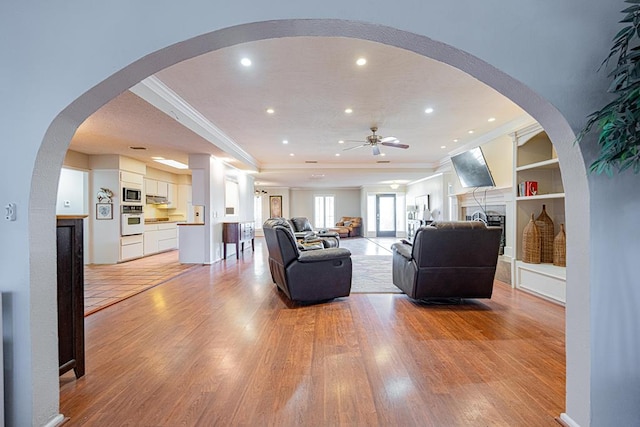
pixel 472 169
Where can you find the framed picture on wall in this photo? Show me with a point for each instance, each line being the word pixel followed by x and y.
pixel 275 206
pixel 104 211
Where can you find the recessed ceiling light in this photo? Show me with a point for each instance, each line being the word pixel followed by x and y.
pixel 429 110
pixel 284 141
pixel 455 140
pixel 291 154
pixel 348 111
pixel 172 163
pixel 246 62
pixel 337 154
pixel 270 111
pixel 361 61
pixel 470 132
pixel 383 154
pixel 341 142
pixel 491 119
pixel 443 146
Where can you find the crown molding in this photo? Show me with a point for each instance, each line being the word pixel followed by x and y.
pixel 158 94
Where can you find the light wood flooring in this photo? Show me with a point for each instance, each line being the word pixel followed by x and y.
pixel 219 345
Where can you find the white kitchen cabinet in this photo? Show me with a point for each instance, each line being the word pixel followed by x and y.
pixel 160 237
pixel 150 239
pixel 163 189
pixel 172 196
pixel 131 247
pixel 150 187
pixel 128 178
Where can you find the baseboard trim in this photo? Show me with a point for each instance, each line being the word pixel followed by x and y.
pixel 566 421
pixel 56 421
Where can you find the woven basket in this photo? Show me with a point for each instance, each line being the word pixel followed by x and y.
pixel 547 233
pixel 531 243
pixel 560 248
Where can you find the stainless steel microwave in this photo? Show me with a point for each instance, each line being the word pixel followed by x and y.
pixel 132 195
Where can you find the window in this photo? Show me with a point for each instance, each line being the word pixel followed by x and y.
pixel 324 212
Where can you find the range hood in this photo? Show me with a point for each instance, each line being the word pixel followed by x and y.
pixel 157 200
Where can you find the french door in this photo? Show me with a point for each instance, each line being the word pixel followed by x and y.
pixel 386 215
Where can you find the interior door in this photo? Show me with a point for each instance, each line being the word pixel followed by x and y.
pixel 386 215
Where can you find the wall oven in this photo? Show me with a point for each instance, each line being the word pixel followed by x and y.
pixel 132 221
pixel 131 195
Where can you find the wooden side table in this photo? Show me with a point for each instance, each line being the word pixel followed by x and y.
pixel 238 233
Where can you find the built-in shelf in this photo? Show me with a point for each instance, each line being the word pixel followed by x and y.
pixel 545 164
pixel 538 162
pixel 542 197
pixel 545 280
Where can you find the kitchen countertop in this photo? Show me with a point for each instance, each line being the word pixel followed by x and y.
pixel 162 221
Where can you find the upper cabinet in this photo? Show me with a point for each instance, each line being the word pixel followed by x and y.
pixel 150 187
pixel 537 183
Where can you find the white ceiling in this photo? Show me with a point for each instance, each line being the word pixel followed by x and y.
pixel 309 82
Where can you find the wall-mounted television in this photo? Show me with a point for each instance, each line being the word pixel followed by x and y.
pixel 472 169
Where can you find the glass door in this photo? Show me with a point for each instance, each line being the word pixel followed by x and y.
pixel 386 215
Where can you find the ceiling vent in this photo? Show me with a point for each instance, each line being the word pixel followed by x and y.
pixel 311 161
pixel 383 161
pixel 138 148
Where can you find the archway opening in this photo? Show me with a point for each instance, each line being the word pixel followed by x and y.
pixel 55 143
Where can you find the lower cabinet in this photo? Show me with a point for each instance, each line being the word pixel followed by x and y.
pixel 160 237
pixel 131 247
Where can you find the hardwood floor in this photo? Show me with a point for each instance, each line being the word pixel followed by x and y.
pixel 108 284
pixel 219 345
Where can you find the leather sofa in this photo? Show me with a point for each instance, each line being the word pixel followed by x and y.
pixel 448 260
pixel 305 276
pixel 304 232
pixel 348 226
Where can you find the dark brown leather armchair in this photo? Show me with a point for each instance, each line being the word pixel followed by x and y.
pixel 305 276
pixel 302 229
pixel 448 260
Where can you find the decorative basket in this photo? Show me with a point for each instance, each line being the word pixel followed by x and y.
pixel 531 242
pixel 545 226
pixel 560 248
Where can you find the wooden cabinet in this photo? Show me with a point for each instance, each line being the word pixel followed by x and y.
pixel 535 159
pixel 70 294
pixel 238 233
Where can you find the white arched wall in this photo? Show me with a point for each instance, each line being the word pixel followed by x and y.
pixel 68 48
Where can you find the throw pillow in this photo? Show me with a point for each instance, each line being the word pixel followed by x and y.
pixel 340 223
pixel 347 223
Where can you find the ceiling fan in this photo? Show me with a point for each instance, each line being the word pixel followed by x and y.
pixel 374 140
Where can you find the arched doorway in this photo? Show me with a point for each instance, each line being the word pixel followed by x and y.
pixel 43 188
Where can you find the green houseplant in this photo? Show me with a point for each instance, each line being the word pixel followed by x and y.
pixel 619 121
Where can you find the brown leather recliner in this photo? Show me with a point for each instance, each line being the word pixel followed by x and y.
pixel 448 260
pixel 348 226
pixel 306 276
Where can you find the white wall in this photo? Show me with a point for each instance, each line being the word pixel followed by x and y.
pixel 63 65
pixel 72 191
pixel 347 202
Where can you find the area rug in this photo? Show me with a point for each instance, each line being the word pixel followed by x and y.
pixel 372 274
